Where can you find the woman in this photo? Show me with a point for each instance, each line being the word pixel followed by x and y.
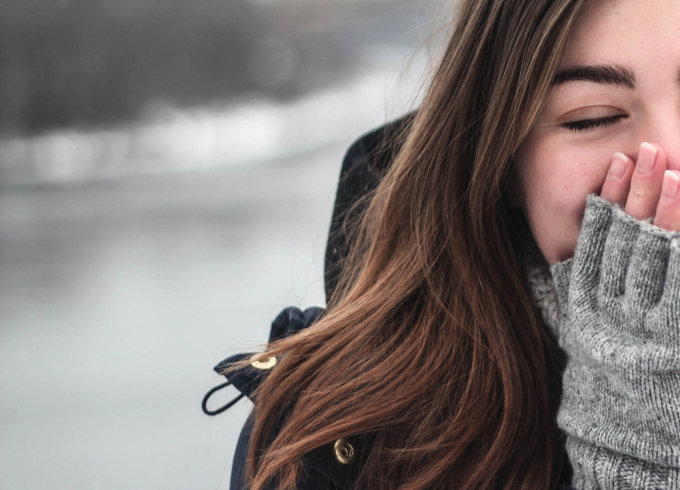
pixel 435 364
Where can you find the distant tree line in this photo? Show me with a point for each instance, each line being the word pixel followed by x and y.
pixel 97 62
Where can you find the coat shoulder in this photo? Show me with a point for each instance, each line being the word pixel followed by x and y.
pixel 334 466
pixel 363 167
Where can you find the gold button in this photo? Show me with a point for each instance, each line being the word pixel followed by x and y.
pixel 344 451
pixel 263 362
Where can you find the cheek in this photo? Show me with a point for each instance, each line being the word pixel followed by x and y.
pixel 555 184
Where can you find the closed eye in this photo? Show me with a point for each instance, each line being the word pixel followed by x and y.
pixel 586 124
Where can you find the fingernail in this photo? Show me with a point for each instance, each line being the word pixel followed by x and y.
pixel 671 183
pixel 646 158
pixel 618 167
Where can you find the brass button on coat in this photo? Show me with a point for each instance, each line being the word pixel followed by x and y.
pixel 263 362
pixel 344 451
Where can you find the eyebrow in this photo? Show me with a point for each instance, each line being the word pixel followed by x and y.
pixel 604 74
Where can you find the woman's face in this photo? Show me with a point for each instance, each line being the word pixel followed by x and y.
pixel 618 86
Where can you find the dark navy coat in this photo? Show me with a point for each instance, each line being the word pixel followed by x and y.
pixel 336 466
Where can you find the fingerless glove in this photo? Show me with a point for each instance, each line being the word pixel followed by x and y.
pixel 619 309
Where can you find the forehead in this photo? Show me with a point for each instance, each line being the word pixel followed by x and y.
pixel 625 32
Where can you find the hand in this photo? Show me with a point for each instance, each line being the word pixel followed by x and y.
pixel 645 189
pixel 619 301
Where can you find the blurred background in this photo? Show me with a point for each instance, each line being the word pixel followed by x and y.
pixel 167 175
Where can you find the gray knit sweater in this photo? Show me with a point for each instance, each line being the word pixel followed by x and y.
pixel 619 323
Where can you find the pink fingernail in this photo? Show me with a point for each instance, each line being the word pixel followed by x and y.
pixel 671 183
pixel 618 167
pixel 646 158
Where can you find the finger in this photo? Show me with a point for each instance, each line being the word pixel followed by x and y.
pixel 588 256
pixel 668 210
pixel 646 276
pixel 615 261
pixel 666 326
pixel 645 187
pixel 617 185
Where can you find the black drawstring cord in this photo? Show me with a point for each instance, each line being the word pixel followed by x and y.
pixel 207 396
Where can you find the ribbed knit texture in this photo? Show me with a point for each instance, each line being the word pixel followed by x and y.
pixel 619 323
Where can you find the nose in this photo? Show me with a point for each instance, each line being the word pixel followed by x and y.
pixel 664 130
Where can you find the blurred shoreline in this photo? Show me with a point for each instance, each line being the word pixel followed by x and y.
pixel 237 133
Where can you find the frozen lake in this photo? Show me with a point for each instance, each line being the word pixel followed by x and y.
pixel 116 300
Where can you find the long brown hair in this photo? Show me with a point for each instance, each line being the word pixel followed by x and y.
pixel 431 343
